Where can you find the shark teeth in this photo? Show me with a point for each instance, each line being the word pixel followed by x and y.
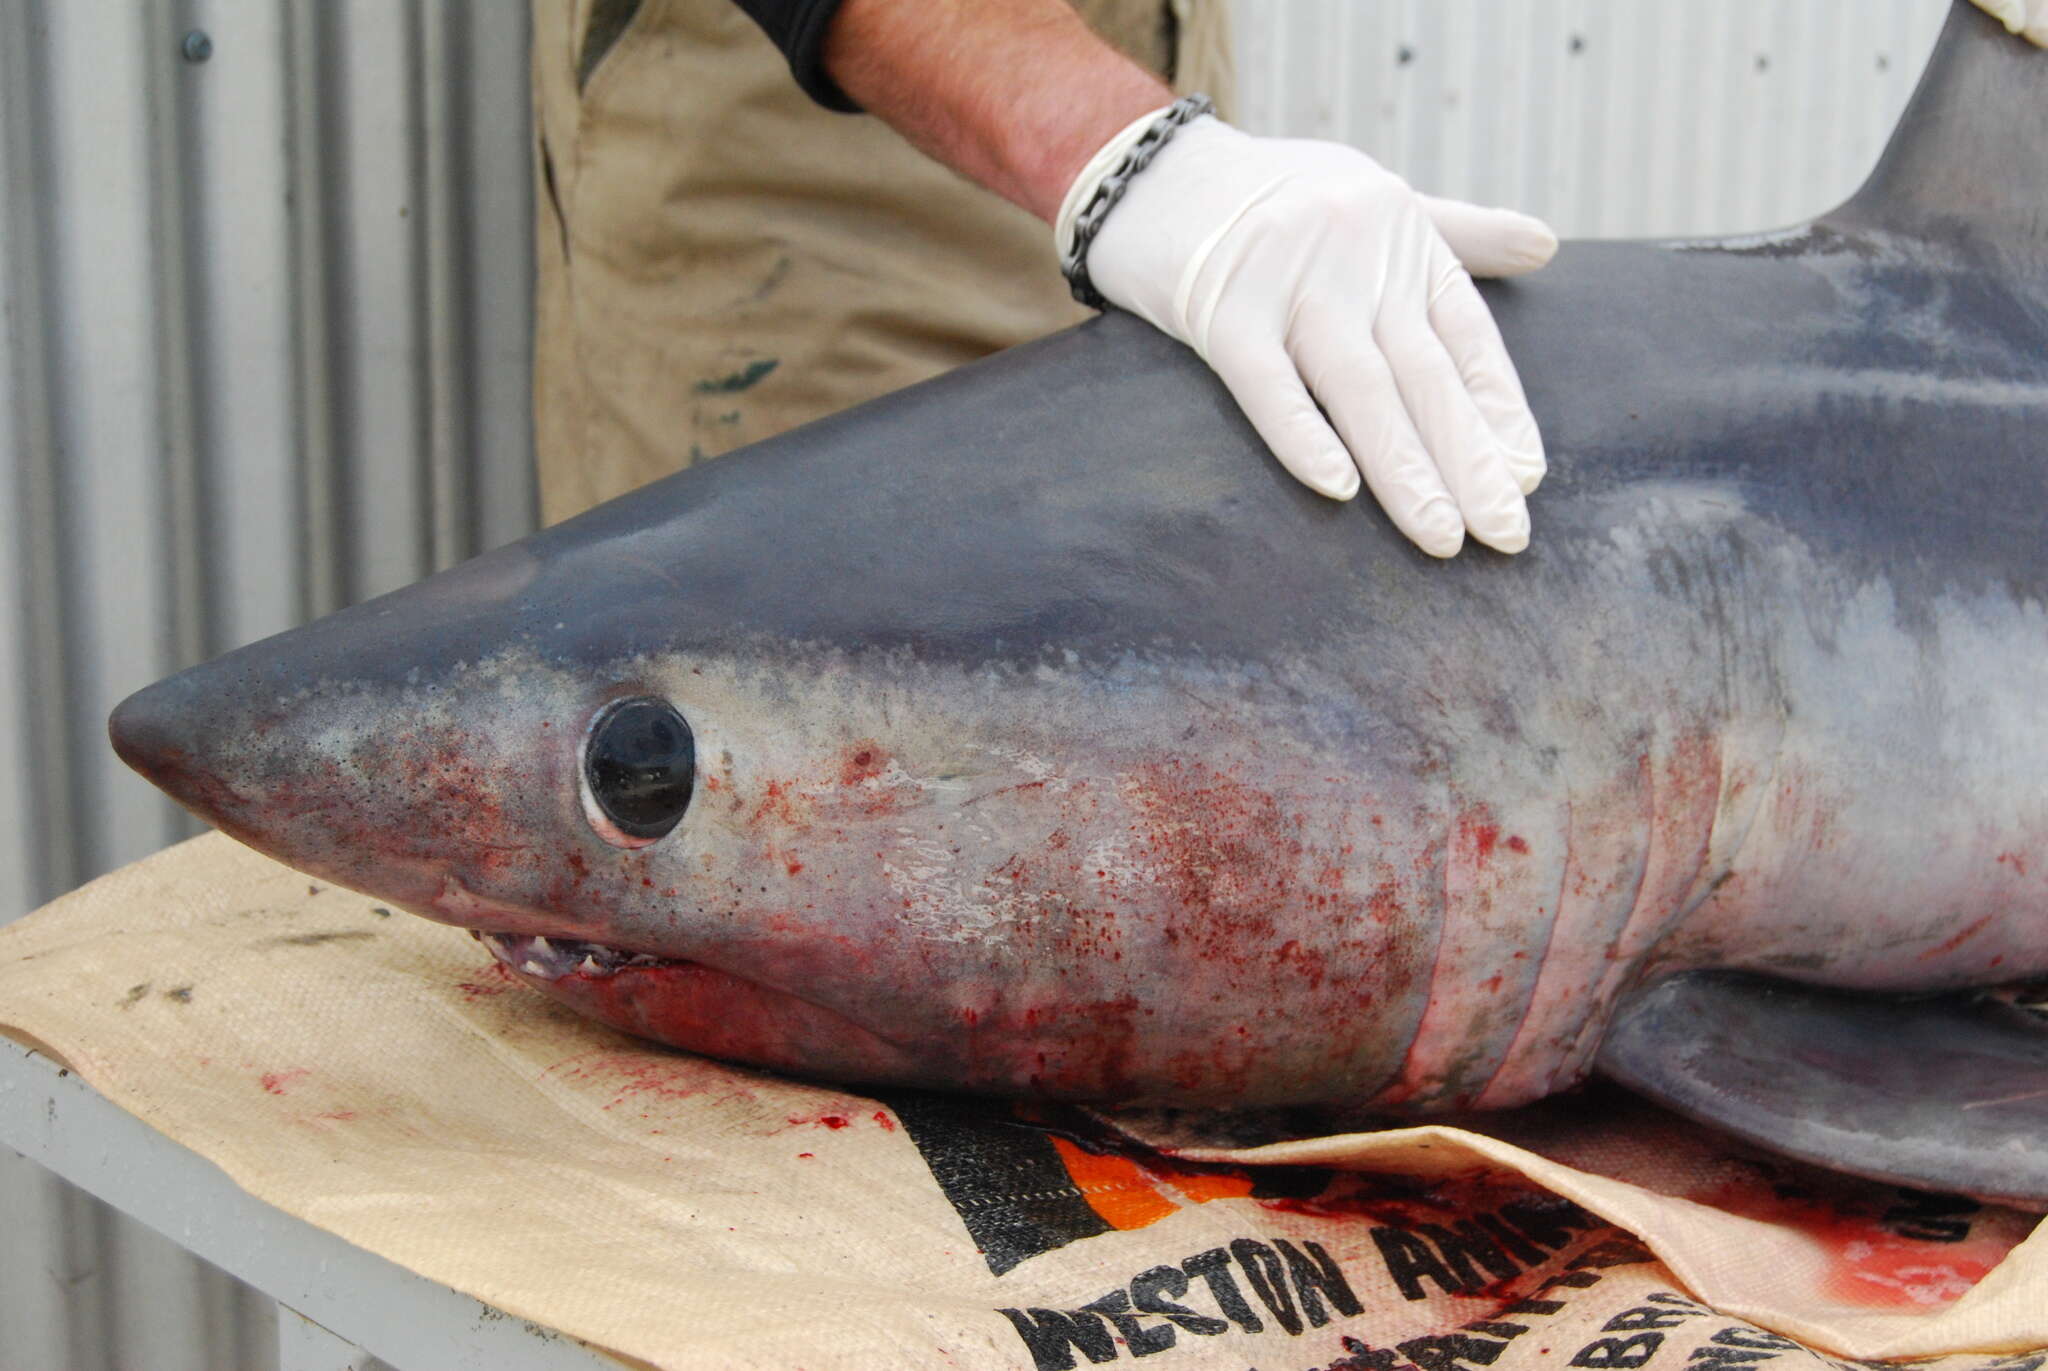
pixel 552 958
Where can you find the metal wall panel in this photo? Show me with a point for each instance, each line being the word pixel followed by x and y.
pixel 263 352
pixel 1610 118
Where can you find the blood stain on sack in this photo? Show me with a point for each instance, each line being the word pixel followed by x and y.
pixel 643 1077
pixel 1404 1200
pixel 327 1119
pixel 1870 1265
pixel 831 1121
pixel 842 1111
pixel 494 979
pixel 277 1082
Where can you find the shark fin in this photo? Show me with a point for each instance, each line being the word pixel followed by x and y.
pixel 1970 156
pixel 1947 1094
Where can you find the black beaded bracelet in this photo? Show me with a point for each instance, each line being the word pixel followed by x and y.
pixel 1111 189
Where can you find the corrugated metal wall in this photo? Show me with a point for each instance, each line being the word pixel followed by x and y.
pixel 1611 118
pixel 264 352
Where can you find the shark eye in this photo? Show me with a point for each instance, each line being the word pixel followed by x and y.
pixel 639 765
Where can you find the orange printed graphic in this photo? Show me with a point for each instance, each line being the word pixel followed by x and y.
pixel 1127 1195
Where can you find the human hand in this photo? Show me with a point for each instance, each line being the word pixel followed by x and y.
pixel 2028 18
pixel 1307 274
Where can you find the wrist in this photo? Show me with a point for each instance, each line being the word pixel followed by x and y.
pixel 1056 143
pixel 1014 96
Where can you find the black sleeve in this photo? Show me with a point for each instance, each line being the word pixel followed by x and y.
pixel 798 28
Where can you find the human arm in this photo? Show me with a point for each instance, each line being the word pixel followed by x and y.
pixel 1230 242
pixel 1013 94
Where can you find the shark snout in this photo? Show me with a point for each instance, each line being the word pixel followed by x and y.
pixel 163 733
pixel 144 729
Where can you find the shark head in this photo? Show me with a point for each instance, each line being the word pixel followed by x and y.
pixel 802 768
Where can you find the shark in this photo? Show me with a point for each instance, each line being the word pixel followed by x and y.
pixel 1030 732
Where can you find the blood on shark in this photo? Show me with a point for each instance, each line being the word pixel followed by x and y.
pixel 1030 732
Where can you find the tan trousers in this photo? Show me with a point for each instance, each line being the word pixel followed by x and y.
pixel 720 260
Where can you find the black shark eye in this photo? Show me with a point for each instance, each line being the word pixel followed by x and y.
pixel 639 766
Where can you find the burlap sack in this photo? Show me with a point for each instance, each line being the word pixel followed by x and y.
pixel 374 1074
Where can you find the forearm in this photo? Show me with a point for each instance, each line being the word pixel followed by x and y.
pixel 1337 315
pixel 1014 94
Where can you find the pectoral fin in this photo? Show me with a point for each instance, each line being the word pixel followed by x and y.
pixel 1947 1093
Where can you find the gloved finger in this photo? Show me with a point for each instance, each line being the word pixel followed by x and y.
pixel 1466 327
pixel 1491 242
pixel 1469 458
pixel 2028 18
pixel 1356 386
pixel 1271 393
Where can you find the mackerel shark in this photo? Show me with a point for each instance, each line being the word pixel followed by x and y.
pixel 1030 731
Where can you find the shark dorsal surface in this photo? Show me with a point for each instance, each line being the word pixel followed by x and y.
pixel 1030 731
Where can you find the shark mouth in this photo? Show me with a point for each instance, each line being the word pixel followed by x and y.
pixel 699 1008
pixel 550 959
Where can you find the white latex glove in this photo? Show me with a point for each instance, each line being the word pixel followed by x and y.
pixel 1305 272
pixel 2028 18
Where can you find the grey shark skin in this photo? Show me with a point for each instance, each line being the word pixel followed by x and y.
pixel 1050 740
